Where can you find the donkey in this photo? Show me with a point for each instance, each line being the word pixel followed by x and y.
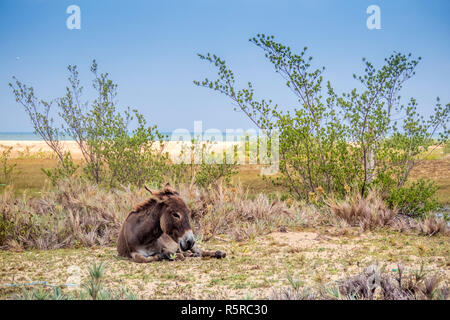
pixel 158 228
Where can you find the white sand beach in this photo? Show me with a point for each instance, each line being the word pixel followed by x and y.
pixel 21 147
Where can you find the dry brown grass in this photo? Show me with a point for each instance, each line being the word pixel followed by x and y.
pixel 231 211
pixel 371 213
pixel 77 213
pixel 73 213
pixel 432 225
pixel 368 213
pixel 437 170
pixel 372 284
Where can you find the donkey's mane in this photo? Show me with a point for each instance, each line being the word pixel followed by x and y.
pixel 157 197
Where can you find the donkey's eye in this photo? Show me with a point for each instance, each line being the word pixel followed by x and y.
pixel 176 215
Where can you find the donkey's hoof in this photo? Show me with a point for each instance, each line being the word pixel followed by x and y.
pixel 220 254
pixel 180 256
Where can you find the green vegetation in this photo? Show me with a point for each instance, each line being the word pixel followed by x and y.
pixel 341 141
pixel 416 199
pixel 112 155
pixel 7 169
pixel 355 187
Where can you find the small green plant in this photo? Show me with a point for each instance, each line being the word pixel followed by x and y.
pixel 295 284
pixel 211 171
pixel 172 256
pixel 7 170
pixel 64 169
pixel 43 294
pixel 94 285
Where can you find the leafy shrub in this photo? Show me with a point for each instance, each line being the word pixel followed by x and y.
pixel 112 154
pixel 201 165
pixel 414 200
pixel 210 174
pixel 340 140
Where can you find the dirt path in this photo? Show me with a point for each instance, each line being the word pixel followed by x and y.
pixel 252 269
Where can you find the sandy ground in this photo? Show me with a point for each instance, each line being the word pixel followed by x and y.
pixel 252 269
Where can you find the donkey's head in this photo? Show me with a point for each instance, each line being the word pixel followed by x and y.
pixel 174 217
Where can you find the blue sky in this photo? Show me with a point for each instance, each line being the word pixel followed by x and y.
pixel 150 49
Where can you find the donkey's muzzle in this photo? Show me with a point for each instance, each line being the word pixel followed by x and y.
pixel 187 241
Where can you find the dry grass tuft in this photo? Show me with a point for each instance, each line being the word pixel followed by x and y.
pixel 433 225
pixel 368 213
pixel 371 212
pixel 373 284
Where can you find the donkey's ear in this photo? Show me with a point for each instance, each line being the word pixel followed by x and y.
pixel 146 188
pixel 168 189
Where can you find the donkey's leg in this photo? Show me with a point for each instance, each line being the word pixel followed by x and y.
pixel 178 256
pixel 197 252
pixel 169 248
pixel 140 258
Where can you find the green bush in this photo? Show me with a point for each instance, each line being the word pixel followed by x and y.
pixel 333 141
pixel 112 154
pixel 209 174
pixel 415 200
